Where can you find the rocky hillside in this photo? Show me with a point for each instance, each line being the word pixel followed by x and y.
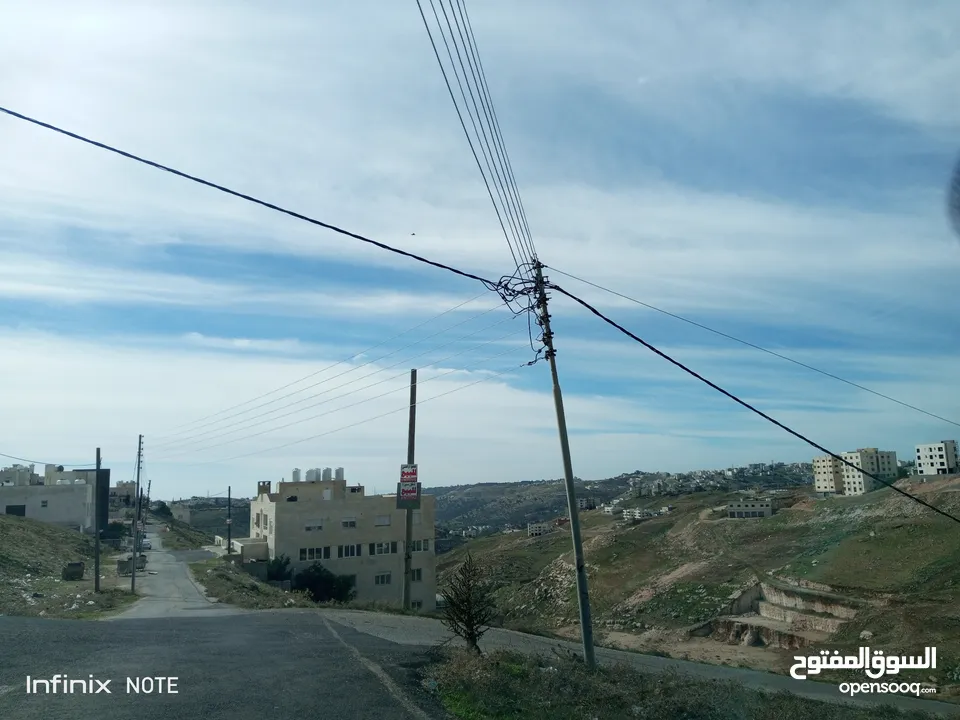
pixel 498 504
pixel 897 560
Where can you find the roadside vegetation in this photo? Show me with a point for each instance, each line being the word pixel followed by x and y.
pixel 512 686
pixel 181 536
pixel 32 557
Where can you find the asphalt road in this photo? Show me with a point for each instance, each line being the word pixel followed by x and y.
pixel 236 664
pixel 171 592
pixel 412 631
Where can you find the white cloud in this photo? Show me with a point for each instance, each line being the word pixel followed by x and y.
pixel 66 397
pixel 340 112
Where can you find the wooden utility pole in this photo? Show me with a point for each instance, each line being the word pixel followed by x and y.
pixel 97 522
pixel 583 595
pixel 408 513
pixel 136 521
pixel 229 523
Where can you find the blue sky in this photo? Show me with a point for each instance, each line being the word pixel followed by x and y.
pixel 776 172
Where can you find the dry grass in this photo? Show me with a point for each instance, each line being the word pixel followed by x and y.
pixel 511 686
pixel 181 536
pixel 33 553
pixel 230 585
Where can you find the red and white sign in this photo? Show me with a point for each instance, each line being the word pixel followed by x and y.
pixel 408 482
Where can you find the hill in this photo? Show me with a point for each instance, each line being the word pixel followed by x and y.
pixel 515 504
pixel 32 555
pixel 693 583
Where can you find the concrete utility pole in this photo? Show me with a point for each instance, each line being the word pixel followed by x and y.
pixel 408 513
pixel 136 521
pixel 97 522
pixel 583 595
pixel 229 523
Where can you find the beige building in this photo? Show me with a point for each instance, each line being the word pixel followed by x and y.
pixel 538 529
pixel 751 508
pixel 882 463
pixel 349 533
pixel 67 504
pixel 830 475
pixel 937 458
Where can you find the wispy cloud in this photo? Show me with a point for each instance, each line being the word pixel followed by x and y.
pixel 786 188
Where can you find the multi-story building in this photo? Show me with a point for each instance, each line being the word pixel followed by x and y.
pixel 827 475
pixel 66 501
pixel 538 529
pixel 123 494
pixel 349 533
pixel 832 476
pixel 938 458
pixel 881 463
pixel 586 503
pixel 751 508
pixel 19 475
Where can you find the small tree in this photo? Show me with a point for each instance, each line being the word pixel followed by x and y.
pixel 278 568
pixel 469 603
pixel 324 585
pixel 163 510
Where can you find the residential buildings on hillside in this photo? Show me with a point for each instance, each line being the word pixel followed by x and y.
pixel 832 476
pixel 938 458
pixel 348 532
pixel 59 497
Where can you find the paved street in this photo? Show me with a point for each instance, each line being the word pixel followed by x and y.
pixel 236 664
pixel 243 667
pixel 171 592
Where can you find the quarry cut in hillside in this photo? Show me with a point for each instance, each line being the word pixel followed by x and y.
pixel 782 614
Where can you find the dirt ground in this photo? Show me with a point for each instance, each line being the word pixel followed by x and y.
pixel 673 643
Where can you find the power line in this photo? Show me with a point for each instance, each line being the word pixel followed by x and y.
pixel 745 404
pixel 495 171
pixel 323 402
pixel 754 346
pixel 334 377
pixel 471 40
pixel 405 408
pixel 502 287
pixel 463 123
pixel 40 462
pixel 172 432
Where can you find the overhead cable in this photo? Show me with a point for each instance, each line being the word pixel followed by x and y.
pixel 172 432
pixel 404 408
pixel 336 410
pixel 194 432
pixel 503 287
pixel 747 405
pixel 755 347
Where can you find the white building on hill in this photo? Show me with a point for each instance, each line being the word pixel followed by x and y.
pixel 938 458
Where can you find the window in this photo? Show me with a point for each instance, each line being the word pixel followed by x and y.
pixel 382 579
pixel 311 553
pixel 313 526
pixel 384 548
pixel 303 554
pixel 326 552
pixel 348 523
pixel 416 575
pixel 43 503
pixel 382 520
pixel 416 604
pixel 424 545
pixel 345 551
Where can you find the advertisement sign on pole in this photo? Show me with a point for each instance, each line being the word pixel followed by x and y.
pixel 408 489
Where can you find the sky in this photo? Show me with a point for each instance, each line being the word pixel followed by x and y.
pixel 776 171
